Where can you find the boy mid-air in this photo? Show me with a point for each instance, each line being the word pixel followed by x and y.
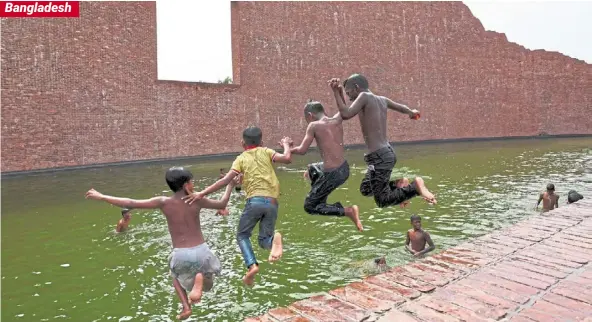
pixel 192 264
pixel 329 175
pixel 262 187
pixel 417 238
pixel 381 159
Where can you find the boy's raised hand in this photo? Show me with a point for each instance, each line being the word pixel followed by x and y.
pixel 94 195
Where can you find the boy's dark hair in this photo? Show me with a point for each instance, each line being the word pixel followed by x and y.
pixel 415 217
pixel 313 107
pixel 356 79
pixel 176 177
pixel 252 135
pixel 125 211
pixel 550 186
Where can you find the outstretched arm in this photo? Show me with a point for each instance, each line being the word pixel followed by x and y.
pixel 152 203
pixel 218 204
pixel 355 108
pixel 401 108
pixel 227 179
pixel 285 157
pixel 306 142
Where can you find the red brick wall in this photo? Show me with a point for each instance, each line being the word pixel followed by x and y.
pixel 85 91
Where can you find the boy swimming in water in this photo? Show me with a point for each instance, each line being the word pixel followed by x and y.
pixel 255 165
pixel 192 264
pixel 417 238
pixel 124 222
pixel 549 198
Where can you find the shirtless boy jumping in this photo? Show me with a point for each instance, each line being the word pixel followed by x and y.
pixel 417 238
pixel 333 171
pixel 192 264
pixel 381 158
pixel 549 198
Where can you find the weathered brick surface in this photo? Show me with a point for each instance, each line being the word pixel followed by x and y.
pixel 568 303
pixel 318 311
pixel 536 268
pixel 427 314
pixel 347 310
pixel 494 289
pixel 393 287
pixel 543 263
pixel 85 91
pixel 396 315
pixel 460 297
pixel 282 314
pixel 361 300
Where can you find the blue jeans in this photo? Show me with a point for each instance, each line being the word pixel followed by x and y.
pixel 260 210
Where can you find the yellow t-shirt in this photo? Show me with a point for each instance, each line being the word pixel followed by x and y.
pixel 259 179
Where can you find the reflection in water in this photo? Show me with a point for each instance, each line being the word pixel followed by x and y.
pixel 61 258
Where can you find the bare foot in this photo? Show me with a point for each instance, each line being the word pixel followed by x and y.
pixel 353 213
pixel 249 278
pixel 423 191
pixel 276 248
pixel 186 313
pixel 195 294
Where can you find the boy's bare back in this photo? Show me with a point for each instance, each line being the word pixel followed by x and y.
pixel 183 222
pixel 550 200
pixel 328 133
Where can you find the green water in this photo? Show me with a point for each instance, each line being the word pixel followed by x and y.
pixel 61 259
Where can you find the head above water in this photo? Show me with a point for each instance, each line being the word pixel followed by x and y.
pixel 126 213
pixel 313 111
pixel 252 136
pixel 573 196
pixel 354 85
pixel 179 178
pixel 550 187
pixel 416 221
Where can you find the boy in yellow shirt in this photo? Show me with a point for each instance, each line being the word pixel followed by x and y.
pixel 262 188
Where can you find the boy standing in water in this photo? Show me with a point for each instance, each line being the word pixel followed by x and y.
pixel 124 222
pixel 549 198
pixel 333 171
pixel 417 238
pixel 262 187
pixel 381 159
pixel 192 264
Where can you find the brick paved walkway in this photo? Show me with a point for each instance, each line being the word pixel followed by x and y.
pixel 535 270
